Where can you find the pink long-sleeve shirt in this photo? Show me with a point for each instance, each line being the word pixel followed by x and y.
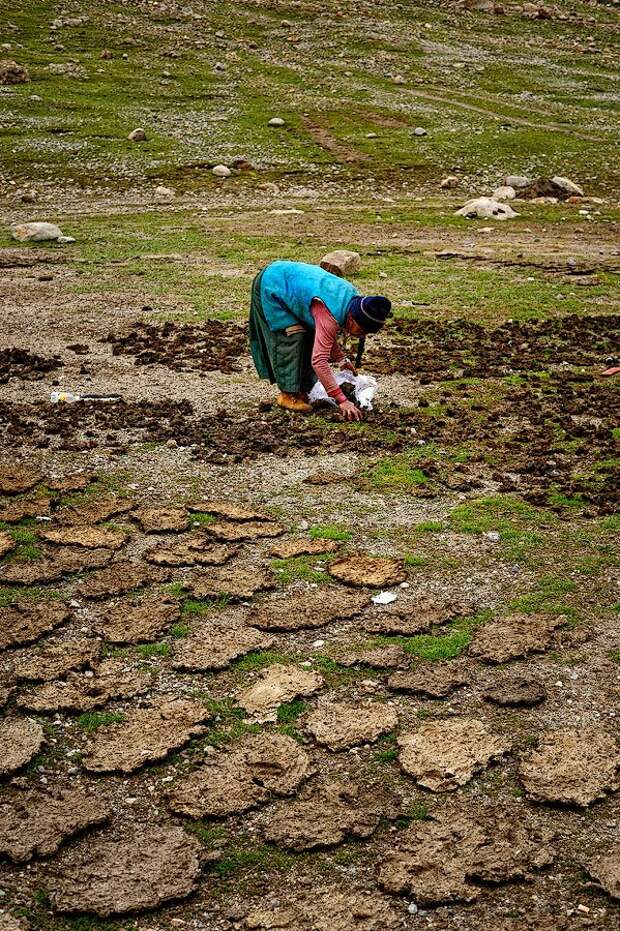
pixel 326 349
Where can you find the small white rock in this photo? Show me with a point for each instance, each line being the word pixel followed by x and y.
pixel 449 183
pixel 276 121
pixel 35 232
pixel 221 171
pixel 384 598
pixel 420 131
pixel 164 194
pixel 506 192
pixel 137 135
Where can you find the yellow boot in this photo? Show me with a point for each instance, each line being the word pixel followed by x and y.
pixel 293 402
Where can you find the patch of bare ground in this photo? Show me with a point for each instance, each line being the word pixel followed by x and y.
pixel 442 755
pixel 515 691
pixel 125 869
pixel 291 548
pixel 323 817
pixel 327 908
pixel 87 537
pixel 604 868
pixel 7 543
pixel 36 823
pixel 162 520
pixel 83 691
pixel 95 511
pixel 454 856
pixel 276 685
pixel 236 582
pixel 193 550
pixel 18 478
pixel 52 661
pixel 231 531
pixel 24 621
pixel 20 739
pixel 412 613
pixel 374 572
pixel 341 725
pixel 256 769
pixel 12 512
pixel 433 680
pixel 55 562
pixel 137 619
pixel 118 579
pixel 572 767
pixel 215 642
pixel 228 510
pixel 298 611
pixel 515 636
pixel 146 735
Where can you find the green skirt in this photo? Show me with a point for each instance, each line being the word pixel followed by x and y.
pixel 285 359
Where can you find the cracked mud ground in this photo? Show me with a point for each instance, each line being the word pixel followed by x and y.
pixel 206 721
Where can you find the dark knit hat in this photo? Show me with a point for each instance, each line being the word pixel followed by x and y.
pixel 370 312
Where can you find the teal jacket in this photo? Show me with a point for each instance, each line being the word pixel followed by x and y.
pixel 288 288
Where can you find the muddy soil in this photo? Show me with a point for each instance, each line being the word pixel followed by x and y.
pixel 27 366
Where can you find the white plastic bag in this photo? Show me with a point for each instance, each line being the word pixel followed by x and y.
pixel 365 389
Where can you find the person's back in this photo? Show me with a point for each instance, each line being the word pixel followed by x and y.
pixel 288 289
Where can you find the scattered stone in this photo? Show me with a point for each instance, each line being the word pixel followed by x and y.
pixel 93 512
pixel 420 131
pixel 7 543
pixel 16 479
pixel 504 193
pixel 339 725
pixel 218 641
pixel 194 550
pixel 388 657
pixel 398 79
pixel 514 636
pixel 113 678
pixel 24 621
pixel 88 537
pixel 117 579
pixel 227 510
pixel 327 909
pixel 162 520
pixel 605 869
pixel 449 183
pixel 342 262
pixel 516 181
pixel 433 680
pixel 291 548
pixel 257 768
pixel 53 564
pixel 276 685
pixel 412 614
pixel 307 609
pixel 137 135
pixel 67 69
pixel 231 532
pixel 36 823
pixel 326 478
pixel 12 73
pixel 138 620
pixel 572 766
pixel 486 208
pixel 106 55
pixel 567 186
pixel 455 856
pixel 36 232
pixel 238 583
pixel 377 572
pixel 55 660
pixel 221 171
pixel 326 817
pixel 20 739
pixel 164 194
pixel 242 164
pixel 276 121
pixel 146 735
pixel 442 755
pixel 137 868
pixel 515 691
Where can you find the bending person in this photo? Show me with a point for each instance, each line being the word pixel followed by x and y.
pixel 296 314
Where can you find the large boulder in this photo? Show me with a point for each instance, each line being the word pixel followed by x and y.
pixel 37 232
pixel 568 186
pixel 12 73
pixel 486 208
pixel 342 262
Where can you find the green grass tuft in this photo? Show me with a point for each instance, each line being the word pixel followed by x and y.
pixel 329 532
pixel 91 720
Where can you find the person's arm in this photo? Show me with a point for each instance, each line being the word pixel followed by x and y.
pixel 325 348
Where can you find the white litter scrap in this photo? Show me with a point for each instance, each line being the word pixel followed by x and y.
pixel 365 389
pixel 384 598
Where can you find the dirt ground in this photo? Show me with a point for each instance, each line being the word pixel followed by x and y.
pixel 211 714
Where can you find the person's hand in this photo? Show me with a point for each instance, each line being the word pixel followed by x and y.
pixel 348 411
pixel 347 366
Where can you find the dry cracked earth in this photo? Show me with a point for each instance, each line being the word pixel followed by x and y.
pixel 212 716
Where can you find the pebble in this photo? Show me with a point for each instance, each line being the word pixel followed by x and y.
pixel 420 131
pixel 137 135
pixel 450 182
pixel 276 121
pixel 221 171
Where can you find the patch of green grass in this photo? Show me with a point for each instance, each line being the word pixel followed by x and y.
pixel 290 711
pixel 178 631
pixel 547 598
pixel 91 720
pixel 203 519
pixel 211 835
pixel 386 756
pixel 396 473
pixel 611 523
pixel 511 517
pixel 413 559
pixel 329 532
pixel 443 643
pixel 572 502
pixel 146 650
pixel 230 722
pixel 614 656
pixel 9 595
pixel 176 590
pixel 261 659
pixel 301 568
pixel 195 607
pixel 264 859
pixel 429 526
